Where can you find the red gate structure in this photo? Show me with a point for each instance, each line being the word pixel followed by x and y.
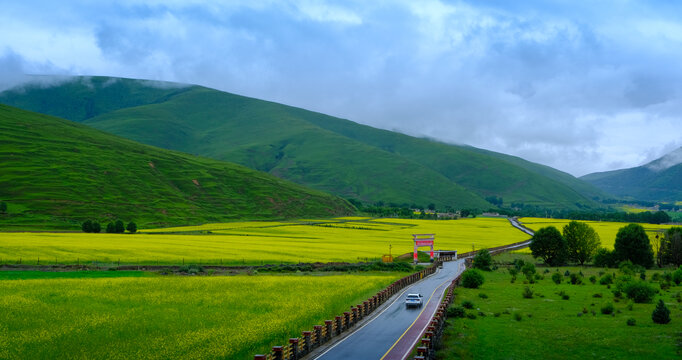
pixel 423 240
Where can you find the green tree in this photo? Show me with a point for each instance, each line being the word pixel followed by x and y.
pixel 548 244
pixel 661 314
pixel 671 246
pixel 604 258
pixel 3 207
pixel 632 244
pixel 132 227
pixel 87 226
pixel 483 260
pixel 119 227
pixel 96 227
pixel 472 279
pixel 111 228
pixel 582 241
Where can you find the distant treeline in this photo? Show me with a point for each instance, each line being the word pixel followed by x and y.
pixel 407 211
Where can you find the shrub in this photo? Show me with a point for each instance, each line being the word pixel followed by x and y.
pixel 642 275
pixel 640 291
pixel 131 227
pixel 467 304
pixel 597 295
pixel 604 258
pixel 111 228
pixel 556 277
pixel 607 309
pixel 528 269
pixel 527 293
pixel 576 279
pixel 456 312
pixel 565 297
pixel 483 260
pixel 472 279
pixel 593 279
pixel 661 314
pixel 471 316
pixel 606 279
pixel 518 316
pixel 631 322
pixel 483 295
pixel 677 276
pixel 119 227
pixel 96 227
pixel 87 226
pixel 567 273
pixel 518 264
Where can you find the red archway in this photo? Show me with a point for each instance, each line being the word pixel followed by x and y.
pixel 423 240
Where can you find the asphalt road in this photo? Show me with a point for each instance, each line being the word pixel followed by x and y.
pixel 373 340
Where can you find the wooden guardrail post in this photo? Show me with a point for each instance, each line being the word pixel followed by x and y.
pixel 339 325
pixel 318 335
pixel 355 314
pixel 329 326
pixel 346 319
pixel 278 352
pixel 307 342
pixel 260 357
pixel 365 308
pixel 293 345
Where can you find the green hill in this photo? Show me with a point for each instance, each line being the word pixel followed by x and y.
pixel 58 173
pixel 313 149
pixel 659 180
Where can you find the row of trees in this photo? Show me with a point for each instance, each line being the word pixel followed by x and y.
pixel 3 207
pixel 116 227
pixel 580 243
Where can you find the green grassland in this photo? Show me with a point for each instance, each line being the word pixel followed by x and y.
pixel 57 173
pixel 257 242
pixel 316 150
pixel 205 317
pixel 553 328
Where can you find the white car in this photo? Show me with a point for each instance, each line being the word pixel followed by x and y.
pixel 413 300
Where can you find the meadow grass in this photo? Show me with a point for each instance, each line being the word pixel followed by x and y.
pixel 258 242
pixel 31 275
pixel 553 328
pixel 200 317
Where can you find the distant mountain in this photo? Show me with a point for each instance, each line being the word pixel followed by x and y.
pixel 313 149
pixel 56 172
pixel 659 180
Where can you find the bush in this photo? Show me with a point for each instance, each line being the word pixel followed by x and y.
pixel 119 228
pixel 96 227
pixel 567 273
pixel 471 316
pixel 677 276
pixel 131 227
pixel 565 297
pixel 597 295
pixel 527 293
pixel 607 309
pixel 661 314
pixel 483 260
pixel 111 228
pixel 472 279
pixel 518 316
pixel 528 269
pixel 576 279
pixel 456 312
pixel 606 279
pixel 631 322
pixel 483 296
pixel 87 226
pixel 593 279
pixel 467 304
pixel 556 277
pixel 639 291
pixel 604 258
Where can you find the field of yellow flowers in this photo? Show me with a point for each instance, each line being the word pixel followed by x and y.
pixel 200 317
pixel 336 240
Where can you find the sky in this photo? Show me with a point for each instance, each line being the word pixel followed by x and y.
pixel 582 86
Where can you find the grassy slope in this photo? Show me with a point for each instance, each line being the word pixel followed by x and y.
pixel 56 170
pixel 554 330
pixel 324 152
pixel 641 183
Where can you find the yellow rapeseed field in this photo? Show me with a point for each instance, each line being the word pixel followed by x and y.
pixel 219 317
pixel 338 240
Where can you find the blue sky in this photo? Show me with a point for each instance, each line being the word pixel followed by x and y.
pixel 581 86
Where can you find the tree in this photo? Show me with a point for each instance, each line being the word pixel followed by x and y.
pixel 483 260
pixel 3 207
pixel 87 226
pixel 548 244
pixel 632 244
pixel 661 314
pixel 582 241
pixel 604 258
pixel 132 227
pixel 111 228
pixel 671 247
pixel 96 227
pixel 119 227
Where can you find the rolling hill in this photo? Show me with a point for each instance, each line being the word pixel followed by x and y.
pixel 309 148
pixel 659 180
pixel 57 172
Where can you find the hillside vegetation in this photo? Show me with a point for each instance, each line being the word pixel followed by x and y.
pixel 659 180
pixel 56 172
pixel 313 149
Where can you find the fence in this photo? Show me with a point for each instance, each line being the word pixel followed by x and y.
pixel 321 334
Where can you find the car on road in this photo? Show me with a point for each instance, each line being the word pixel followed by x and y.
pixel 413 300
